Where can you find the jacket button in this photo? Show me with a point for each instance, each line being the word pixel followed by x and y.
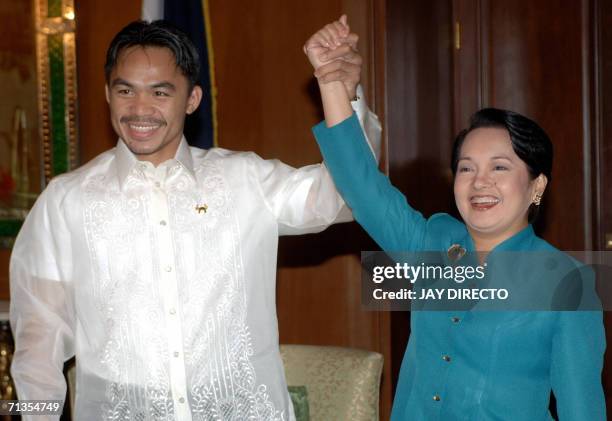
pixel 436 398
pixel 446 358
pixel 455 319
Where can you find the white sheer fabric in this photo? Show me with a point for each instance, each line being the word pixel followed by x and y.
pixel 162 282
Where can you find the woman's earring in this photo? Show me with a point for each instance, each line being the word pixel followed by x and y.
pixel 537 199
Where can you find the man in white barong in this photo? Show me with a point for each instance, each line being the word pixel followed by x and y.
pixel 155 263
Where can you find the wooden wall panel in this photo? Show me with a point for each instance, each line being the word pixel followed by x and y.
pixel 536 68
pixel 514 55
pixel 603 144
pixel 468 61
pixel 420 93
pixel 519 56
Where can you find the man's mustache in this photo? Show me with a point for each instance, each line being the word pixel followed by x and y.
pixel 139 119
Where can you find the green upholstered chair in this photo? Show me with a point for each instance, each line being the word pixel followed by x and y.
pixel 342 383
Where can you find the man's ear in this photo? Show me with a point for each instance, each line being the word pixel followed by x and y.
pixel 194 99
pixel 107 92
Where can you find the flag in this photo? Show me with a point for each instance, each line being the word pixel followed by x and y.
pixel 191 16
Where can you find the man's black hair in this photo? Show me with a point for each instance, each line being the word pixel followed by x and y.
pixel 158 33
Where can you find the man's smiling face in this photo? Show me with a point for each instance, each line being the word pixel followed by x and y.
pixel 149 97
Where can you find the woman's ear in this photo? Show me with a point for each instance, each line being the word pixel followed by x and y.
pixel 540 184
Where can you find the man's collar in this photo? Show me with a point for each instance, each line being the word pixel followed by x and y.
pixel 126 160
pixel 183 156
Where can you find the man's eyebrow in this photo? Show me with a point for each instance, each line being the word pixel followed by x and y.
pixel 120 81
pixel 166 85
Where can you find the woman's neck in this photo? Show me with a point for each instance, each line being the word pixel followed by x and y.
pixel 485 242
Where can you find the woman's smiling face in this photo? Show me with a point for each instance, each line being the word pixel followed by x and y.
pixel 493 187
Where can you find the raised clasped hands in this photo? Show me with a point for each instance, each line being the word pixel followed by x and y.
pixel 332 51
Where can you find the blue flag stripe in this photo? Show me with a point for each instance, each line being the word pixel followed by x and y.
pixel 188 15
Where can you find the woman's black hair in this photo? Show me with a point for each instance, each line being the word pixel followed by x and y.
pixel 158 33
pixel 529 141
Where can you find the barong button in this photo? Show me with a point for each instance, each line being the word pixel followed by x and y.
pixel 182 400
pixel 455 319
pixel 176 354
pixel 446 358
pixel 436 398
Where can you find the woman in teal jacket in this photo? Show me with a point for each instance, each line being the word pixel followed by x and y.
pixel 469 365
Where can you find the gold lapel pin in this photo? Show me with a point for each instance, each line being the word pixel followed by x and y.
pixel 201 208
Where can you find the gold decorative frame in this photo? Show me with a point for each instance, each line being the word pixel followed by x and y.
pixel 57 99
pixel 56 26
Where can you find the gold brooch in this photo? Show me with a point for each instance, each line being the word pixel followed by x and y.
pixel 455 252
pixel 201 208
